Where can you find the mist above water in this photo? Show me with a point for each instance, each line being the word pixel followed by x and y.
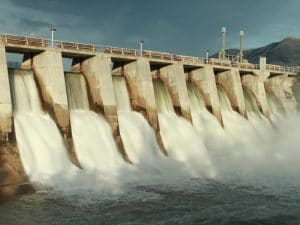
pixel 248 150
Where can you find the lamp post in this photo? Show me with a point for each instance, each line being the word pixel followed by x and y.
pixel 206 55
pixel 141 42
pixel 241 45
pixel 223 53
pixel 52 29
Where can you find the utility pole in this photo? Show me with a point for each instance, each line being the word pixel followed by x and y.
pixel 223 53
pixel 52 29
pixel 241 45
pixel 141 47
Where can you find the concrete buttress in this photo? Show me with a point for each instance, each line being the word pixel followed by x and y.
pixel 49 71
pixel 139 79
pixel 204 80
pixel 173 77
pixel 281 87
pixel 5 98
pixel 141 89
pixel 97 71
pixel 274 86
pixel 254 82
pixel 289 87
pixel 230 80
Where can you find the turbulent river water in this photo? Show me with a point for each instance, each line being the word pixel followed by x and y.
pixel 244 173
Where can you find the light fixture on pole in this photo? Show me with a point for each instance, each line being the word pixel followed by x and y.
pixel 141 42
pixel 241 45
pixel 223 53
pixel 52 29
pixel 206 55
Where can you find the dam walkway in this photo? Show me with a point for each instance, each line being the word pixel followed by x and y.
pixel 24 44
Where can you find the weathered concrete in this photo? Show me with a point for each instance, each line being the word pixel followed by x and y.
pixel 290 92
pixel 13 180
pixel 97 71
pixel 204 80
pixel 275 86
pixel 141 91
pixel 173 77
pixel 27 61
pixel 296 90
pixel 48 69
pixel 49 73
pixel 5 99
pixel 230 80
pixel 255 84
pixel 138 77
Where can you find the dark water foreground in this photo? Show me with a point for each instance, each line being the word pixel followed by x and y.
pixel 194 202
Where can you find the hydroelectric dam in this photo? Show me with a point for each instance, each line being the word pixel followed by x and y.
pixel 120 107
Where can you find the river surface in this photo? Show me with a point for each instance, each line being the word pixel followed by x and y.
pixel 194 201
pixel 244 173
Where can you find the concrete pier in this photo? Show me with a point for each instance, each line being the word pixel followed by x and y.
pixel 275 86
pixel 173 77
pixel 49 71
pixel 5 98
pixel 296 90
pixel 254 82
pixel 230 80
pixel 204 80
pixel 138 77
pixel 141 91
pixel 289 88
pixel 97 72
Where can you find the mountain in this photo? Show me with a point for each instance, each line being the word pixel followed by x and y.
pixel 285 52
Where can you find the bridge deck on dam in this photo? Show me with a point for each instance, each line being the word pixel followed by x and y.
pixel 24 44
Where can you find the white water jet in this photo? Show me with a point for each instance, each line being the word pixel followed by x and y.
pixel 180 139
pixel 253 153
pixel 138 136
pixel 241 151
pixel 94 143
pixel 41 145
pixel 276 110
pixel 121 94
pixel 204 122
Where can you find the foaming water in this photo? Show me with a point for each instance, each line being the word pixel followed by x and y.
pixel 241 150
pixel 180 138
pixel 121 94
pixel 252 152
pixel 162 97
pixel 41 146
pixel 277 111
pixel 94 143
pixel 242 174
pixel 138 136
pixel 203 121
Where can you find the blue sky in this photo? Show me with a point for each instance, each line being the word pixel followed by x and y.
pixel 183 27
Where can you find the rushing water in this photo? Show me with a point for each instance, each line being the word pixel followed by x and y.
pixel 244 173
pixel 41 146
pixel 92 135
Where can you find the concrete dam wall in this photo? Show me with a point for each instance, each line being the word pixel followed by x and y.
pixel 91 108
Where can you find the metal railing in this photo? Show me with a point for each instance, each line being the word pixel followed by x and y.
pixel 28 41
pixel 92 48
